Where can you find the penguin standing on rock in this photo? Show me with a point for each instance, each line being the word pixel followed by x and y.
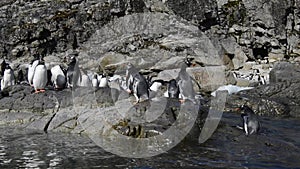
pixel 85 80
pixel 40 77
pixel 136 84
pixel 58 77
pixel 20 77
pixel 185 83
pixel 8 78
pixel 251 124
pixel 73 73
pixel 31 70
pixel 173 90
pixel 103 81
pixel 95 82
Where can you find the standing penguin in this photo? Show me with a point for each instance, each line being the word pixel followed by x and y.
pixel 58 77
pixel 251 124
pixel 136 84
pixel 173 89
pixel 31 69
pixel 95 82
pixel 73 73
pixel 85 80
pixel 40 77
pixel 20 76
pixel 103 81
pixel 185 83
pixel 8 77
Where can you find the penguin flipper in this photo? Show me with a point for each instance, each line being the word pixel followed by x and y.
pixel 196 82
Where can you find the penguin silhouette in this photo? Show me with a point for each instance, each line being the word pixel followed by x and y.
pixel 103 81
pixel 85 80
pixel 173 89
pixel 40 77
pixel 58 77
pixel 185 83
pixel 8 77
pixel 73 73
pixel 136 84
pixel 31 69
pixel 95 82
pixel 131 72
pixel 251 124
pixel 20 77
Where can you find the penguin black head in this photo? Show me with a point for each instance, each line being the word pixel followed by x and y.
pixel 41 61
pixel 20 76
pixel 246 109
pixel 7 67
pixel 3 66
pixel 72 61
pixel 250 121
pixel 188 61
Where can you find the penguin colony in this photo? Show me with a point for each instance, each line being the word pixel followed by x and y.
pixel 39 77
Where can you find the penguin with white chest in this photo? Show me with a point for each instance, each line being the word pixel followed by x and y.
pixel 251 124
pixel 103 82
pixel 95 82
pixel 40 77
pixel 31 69
pixel 185 83
pixel 58 77
pixel 173 89
pixel 73 73
pixel 8 78
pixel 136 84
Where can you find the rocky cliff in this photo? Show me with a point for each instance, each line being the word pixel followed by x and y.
pixel 152 33
pixel 228 38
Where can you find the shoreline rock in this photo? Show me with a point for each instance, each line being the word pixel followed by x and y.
pixel 54 111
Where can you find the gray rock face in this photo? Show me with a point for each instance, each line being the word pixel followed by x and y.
pixel 155 36
pixel 149 41
pixel 261 29
pixel 284 72
pixel 279 98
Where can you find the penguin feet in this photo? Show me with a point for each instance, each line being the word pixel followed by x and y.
pixel 39 91
pixel 181 101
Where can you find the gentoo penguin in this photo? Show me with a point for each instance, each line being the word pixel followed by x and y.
pixel 73 73
pixel 40 77
pixel 103 81
pixel 58 77
pixel 136 84
pixel 20 76
pixel 8 77
pixel 185 83
pixel 173 89
pixel 85 80
pixel 31 68
pixel 95 82
pixel 251 124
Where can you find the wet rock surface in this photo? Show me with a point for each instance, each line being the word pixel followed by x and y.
pixel 233 41
pixel 279 98
pixel 61 111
